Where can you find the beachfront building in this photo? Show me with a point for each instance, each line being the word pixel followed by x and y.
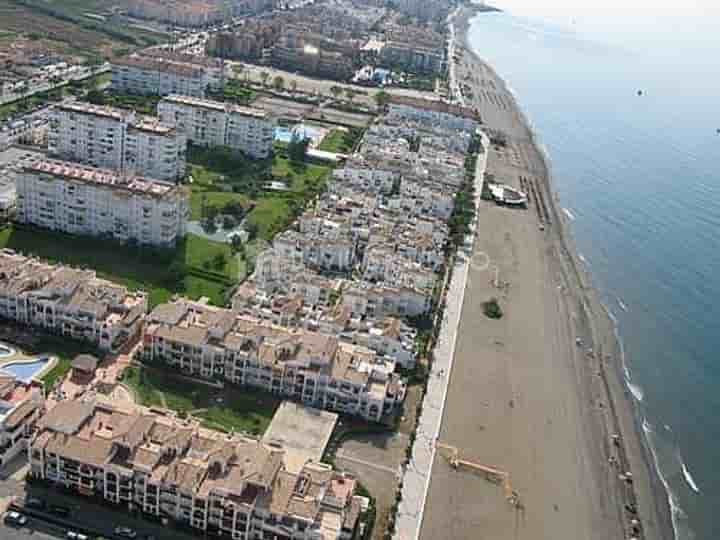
pixel 78 199
pixel 432 112
pixel 68 301
pixel 229 485
pixel 377 301
pixel 213 123
pixel 146 75
pixel 313 368
pixel 117 139
pixel 21 403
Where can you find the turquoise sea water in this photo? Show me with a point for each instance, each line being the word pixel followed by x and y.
pixel 638 176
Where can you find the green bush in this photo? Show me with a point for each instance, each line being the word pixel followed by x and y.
pixel 492 309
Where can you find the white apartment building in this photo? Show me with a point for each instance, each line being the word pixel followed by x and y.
pixel 370 301
pixel 432 112
pixel 230 485
pixel 20 405
pixel 213 123
pixel 311 367
pixel 155 150
pixel 156 76
pixel 116 139
pixel 68 301
pixel 78 199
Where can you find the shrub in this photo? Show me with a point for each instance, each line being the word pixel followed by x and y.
pixel 492 309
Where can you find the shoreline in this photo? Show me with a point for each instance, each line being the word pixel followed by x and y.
pixel 623 414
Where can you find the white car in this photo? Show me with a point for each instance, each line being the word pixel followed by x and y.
pixel 15 518
pixel 74 535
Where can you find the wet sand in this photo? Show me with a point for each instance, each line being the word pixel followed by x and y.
pixel 524 396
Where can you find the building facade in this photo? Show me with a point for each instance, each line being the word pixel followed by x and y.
pixel 161 77
pixel 229 485
pixel 68 301
pixel 116 139
pixel 212 123
pixel 82 200
pixel 314 368
pixel 20 405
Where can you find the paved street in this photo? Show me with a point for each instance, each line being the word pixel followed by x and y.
pixel 86 516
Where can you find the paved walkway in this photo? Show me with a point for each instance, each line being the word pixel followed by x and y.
pixel 416 477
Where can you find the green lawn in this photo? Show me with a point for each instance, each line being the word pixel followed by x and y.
pixel 338 140
pixel 222 176
pixel 140 104
pixel 228 409
pixel 236 92
pixel 188 269
pixel 208 184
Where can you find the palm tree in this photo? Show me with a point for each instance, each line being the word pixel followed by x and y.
pixel 279 83
pixel 264 76
pixel 335 90
pixel 381 98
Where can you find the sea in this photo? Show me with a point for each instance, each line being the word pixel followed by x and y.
pixel 624 97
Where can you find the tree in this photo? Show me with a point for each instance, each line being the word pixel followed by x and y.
pixel 175 275
pixel 251 228
pixel 264 76
pixel 219 261
pixel 381 98
pixel 336 90
pixel 297 148
pixel 279 83
pixel 350 93
pixel 96 97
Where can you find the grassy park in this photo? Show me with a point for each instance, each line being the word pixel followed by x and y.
pixel 196 268
pixel 221 177
pixel 340 140
pixel 227 409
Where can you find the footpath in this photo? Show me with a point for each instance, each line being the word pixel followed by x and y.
pixel 416 474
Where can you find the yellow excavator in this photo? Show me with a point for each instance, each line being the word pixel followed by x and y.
pixel 496 476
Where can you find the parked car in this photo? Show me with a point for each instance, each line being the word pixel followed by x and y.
pixel 125 532
pixel 74 535
pixel 62 511
pixel 15 518
pixel 35 502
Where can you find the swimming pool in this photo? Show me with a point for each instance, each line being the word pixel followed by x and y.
pixel 25 371
pixel 284 134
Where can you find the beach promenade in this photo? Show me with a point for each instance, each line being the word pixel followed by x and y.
pixel 416 475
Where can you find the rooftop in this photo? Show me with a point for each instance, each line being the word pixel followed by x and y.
pixel 103 177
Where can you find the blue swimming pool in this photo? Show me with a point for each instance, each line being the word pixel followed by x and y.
pixel 25 371
pixel 284 134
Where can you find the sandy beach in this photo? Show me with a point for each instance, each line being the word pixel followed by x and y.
pixel 539 393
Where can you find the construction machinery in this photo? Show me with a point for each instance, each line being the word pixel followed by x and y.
pixel 492 474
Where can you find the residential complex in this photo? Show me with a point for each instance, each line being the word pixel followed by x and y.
pixel 230 485
pixel 78 199
pixel 312 367
pixel 162 74
pixel 20 405
pixel 363 261
pixel 68 301
pixel 117 139
pixel 213 123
